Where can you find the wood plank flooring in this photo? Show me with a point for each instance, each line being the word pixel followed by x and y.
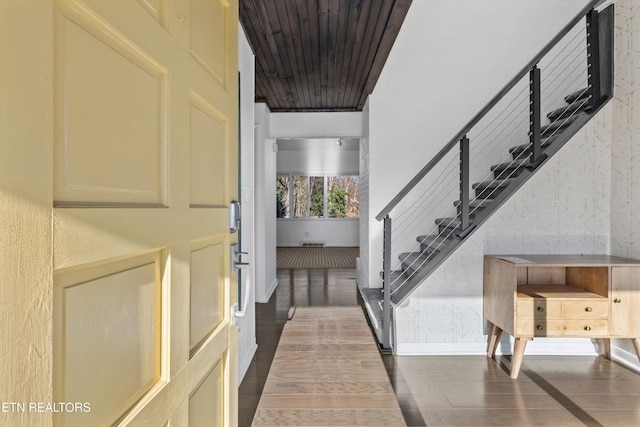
pixel 550 391
pixel 431 390
pixel 327 371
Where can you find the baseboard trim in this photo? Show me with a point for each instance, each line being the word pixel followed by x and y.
pixel 579 348
pixel 243 365
pixel 626 358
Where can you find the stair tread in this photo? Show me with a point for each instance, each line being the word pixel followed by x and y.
pixel 567 110
pixel 433 243
pixel 394 275
pixel 514 164
pixel 411 256
pixel 414 259
pixel 433 240
pixel 475 204
pixel 448 221
pixel 524 147
pixel 499 183
pixel 413 262
pixel 546 141
pixel 559 124
pixel 572 97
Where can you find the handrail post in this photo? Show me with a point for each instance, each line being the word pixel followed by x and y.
pixel 465 226
pixel 535 137
pixel 593 58
pixel 386 286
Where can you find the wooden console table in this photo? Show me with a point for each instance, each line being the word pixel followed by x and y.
pixel 562 296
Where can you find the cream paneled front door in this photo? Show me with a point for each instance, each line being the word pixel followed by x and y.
pixel 118 126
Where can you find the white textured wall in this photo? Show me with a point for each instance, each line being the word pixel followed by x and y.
pixel 625 173
pixel 265 190
pixel 332 231
pixel 362 263
pixel 332 160
pixel 316 125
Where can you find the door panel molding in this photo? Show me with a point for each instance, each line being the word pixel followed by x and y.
pixel 107 336
pixel 207 292
pixel 115 151
pixel 210 21
pixel 209 148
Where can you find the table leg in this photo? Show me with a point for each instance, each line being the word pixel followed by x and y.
pixel 494 339
pixel 518 354
pixel 605 347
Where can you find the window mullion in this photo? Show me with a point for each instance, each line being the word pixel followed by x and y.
pixel 292 212
pixel 325 198
pixel 308 196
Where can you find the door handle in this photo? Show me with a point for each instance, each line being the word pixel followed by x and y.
pixel 241 264
pixel 236 263
pixel 241 314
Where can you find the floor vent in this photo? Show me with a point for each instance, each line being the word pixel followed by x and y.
pixel 312 244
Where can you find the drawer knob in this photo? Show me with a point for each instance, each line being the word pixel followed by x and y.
pixel 617 300
pixel 588 309
pixel 587 328
pixel 540 309
pixel 539 327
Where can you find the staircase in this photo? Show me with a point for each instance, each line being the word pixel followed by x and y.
pixel 513 165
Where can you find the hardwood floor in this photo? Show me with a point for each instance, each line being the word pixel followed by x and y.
pixel 451 390
pixel 550 391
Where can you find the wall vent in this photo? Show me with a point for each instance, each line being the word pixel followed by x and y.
pixel 309 244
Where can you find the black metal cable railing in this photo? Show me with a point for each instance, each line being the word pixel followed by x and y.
pixel 437 203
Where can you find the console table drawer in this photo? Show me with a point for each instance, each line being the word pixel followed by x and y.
pixel 539 308
pixel 585 309
pixel 539 328
pixel 586 328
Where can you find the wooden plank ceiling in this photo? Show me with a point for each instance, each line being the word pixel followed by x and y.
pixel 320 55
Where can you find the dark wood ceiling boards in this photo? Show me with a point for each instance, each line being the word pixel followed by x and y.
pixel 320 55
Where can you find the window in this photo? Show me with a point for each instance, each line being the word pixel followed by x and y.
pixel 282 196
pixel 316 183
pixel 344 196
pixel 302 196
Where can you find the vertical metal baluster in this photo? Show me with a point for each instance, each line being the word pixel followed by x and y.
pixel 465 226
pixel 386 286
pixel 593 58
pixel 535 138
